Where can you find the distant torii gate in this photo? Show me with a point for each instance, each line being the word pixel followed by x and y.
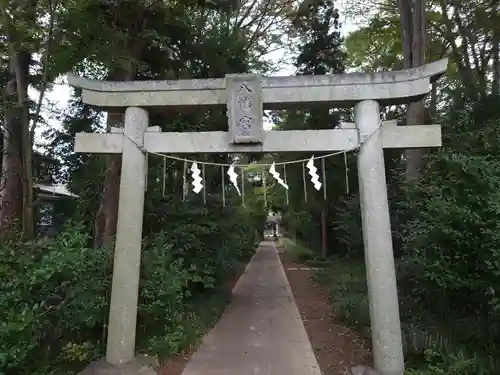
pixel 276 220
pixel 246 96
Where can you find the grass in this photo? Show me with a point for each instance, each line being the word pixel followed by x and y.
pixel 346 286
pixel 300 253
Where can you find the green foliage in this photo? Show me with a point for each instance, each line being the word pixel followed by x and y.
pixel 294 219
pixel 346 286
pixel 448 222
pixel 319 52
pixel 54 295
pixel 427 352
pixel 347 227
pixel 445 231
pixel 190 250
pixel 211 236
pixel 81 172
pixel 453 245
pixel 298 252
pixel 51 290
pixel 320 47
pixel 436 362
pixel 377 44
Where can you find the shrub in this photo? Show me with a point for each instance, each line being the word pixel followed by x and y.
pixel 453 246
pixel 347 227
pixel 346 283
pixel 297 251
pixel 54 296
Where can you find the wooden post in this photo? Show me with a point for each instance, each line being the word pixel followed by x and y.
pixel 324 250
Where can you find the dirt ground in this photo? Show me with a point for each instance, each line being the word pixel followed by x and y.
pixel 337 348
pixel 175 365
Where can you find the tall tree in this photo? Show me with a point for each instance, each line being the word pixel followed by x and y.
pixel 254 23
pixel 402 33
pixel 137 21
pixel 319 47
pixel 150 41
pixel 17 184
pixel 413 21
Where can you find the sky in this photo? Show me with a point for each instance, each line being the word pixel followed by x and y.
pixel 61 93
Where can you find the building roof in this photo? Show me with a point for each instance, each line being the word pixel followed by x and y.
pixel 55 190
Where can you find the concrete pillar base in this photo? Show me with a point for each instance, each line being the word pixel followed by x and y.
pixel 142 365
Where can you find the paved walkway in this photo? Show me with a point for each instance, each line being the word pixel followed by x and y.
pixel 260 332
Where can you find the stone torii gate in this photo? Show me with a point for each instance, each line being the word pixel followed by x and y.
pixel 246 96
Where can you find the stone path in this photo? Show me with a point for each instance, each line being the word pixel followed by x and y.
pixel 260 332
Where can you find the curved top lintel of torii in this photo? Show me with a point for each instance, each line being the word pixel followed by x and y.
pixel 338 90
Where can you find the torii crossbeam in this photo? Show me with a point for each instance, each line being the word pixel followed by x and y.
pixel 246 96
pixel 326 140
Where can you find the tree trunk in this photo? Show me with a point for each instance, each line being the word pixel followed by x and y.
pixel 415 115
pixel 413 24
pixel 495 89
pixel 324 248
pixel 433 104
pixel 12 167
pixel 16 180
pixel 405 19
pixel 22 65
pixel 2 143
pixel 107 215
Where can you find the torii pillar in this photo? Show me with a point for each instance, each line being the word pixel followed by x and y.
pixel 387 344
